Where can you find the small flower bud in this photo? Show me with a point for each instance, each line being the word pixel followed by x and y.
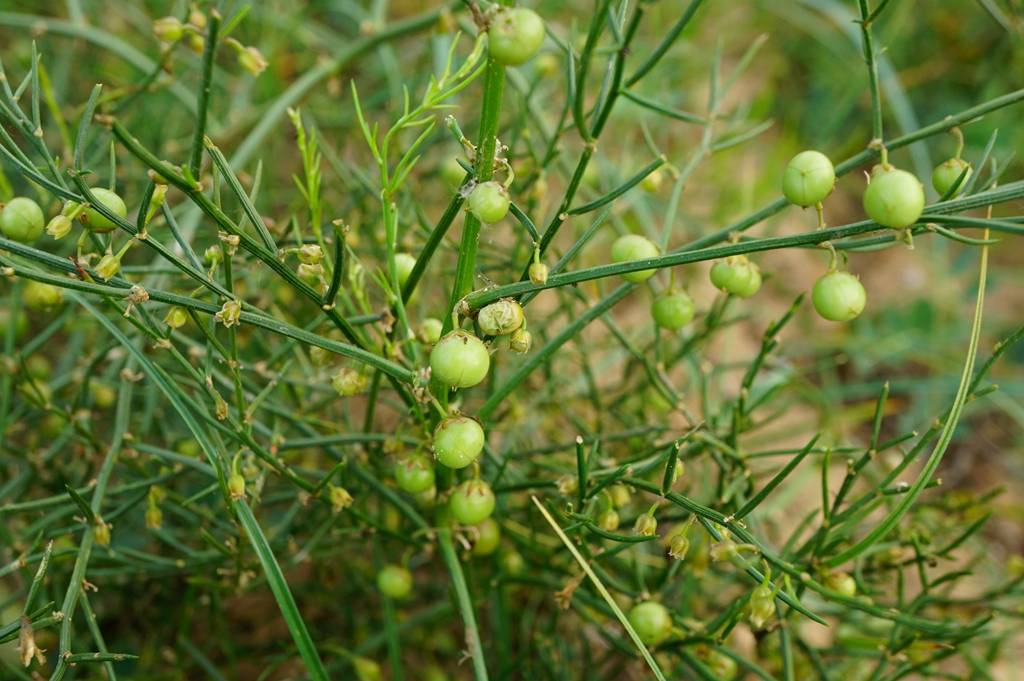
pixel 567 484
pixel 213 255
pixel 108 266
pixel 679 546
pixel 154 518
pixel 646 525
pixel 520 340
pixel 539 273
pixel 59 227
pixel 620 495
pixel 339 497
pixel 762 606
pixel 101 532
pixel 252 60
pixel 230 313
pixel 310 274
pixel 430 331
pixel 168 29
pixel 608 521
pixel 176 317
pixel 349 382
pixel 319 356
pixel 311 254
pixel 236 486
pixel 843 583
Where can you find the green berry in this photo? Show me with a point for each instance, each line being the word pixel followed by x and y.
pixel 809 178
pixel 39 296
pixel 414 474
pixel 404 264
pixel 430 331
pixel 634 247
pixel 472 502
pixel 394 581
pixel 515 35
pixel 500 318
pixel 460 360
pixel 22 220
pixel 653 181
pixel 93 220
pixel 489 202
pixel 672 310
pixel 651 621
pixel 452 172
pixel 721 665
pixel 458 441
pixel 947 173
pixel 488 537
pixel 843 583
pixel 736 275
pixel 20 322
pixel 894 198
pixel 538 273
pixel 609 520
pixel 839 296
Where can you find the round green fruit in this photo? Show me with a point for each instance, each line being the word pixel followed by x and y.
pixel 839 296
pixel 515 35
pixel 634 247
pixel 458 441
pixel 93 220
pixel 809 178
pixel 430 331
pixel 737 276
pixel 460 360
pixel 894 198
pixel 946 174
pixel 404 264
pixel 414 474
pixel 651 621
pixel 500 318
pixel 22 220
pixel 394 581
pixel 472 502
pixel 489 202
pixel 39 296
pixel 672 310
pixel 488 537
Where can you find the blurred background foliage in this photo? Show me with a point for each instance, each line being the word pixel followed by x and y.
pixel 807 85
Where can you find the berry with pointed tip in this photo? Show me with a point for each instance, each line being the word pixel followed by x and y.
pixel 472 502
pixel 809 178
pixel 894 198
pixel 22 220
pixel 460 360
pixel 458 441
pixel 634 247
pixel 839 296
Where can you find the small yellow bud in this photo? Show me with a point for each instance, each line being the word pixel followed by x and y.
pixel 168 29
pixel 252 60
pixel 339 497
pixel 108 266
pixel 236 486
pixel 230 313
pixel 59 227
pixel 176 317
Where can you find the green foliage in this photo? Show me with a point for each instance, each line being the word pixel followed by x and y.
pixel 424 340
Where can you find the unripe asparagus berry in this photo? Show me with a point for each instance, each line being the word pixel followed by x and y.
pixel 894 198
pixel 947 173
pixel 672 310
pixel 736 275
pixel 458 441
pixel 651 621
pixel 608 520
pixel 520 341
pixel 430 331
pixel 489 202
pixel 839 296
pixel 404 264
pixel 414 474
pixel 501 317
pixel 843 583
pixel 515 35
pixel 394 581
pixel 472 502
pixel 809 178
pixel 460 360
pixel 634 247
pixel 22 220
pixel 488 537
pixel 39 296
pixel 93 220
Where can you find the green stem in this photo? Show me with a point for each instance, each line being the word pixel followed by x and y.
pixel 451 561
